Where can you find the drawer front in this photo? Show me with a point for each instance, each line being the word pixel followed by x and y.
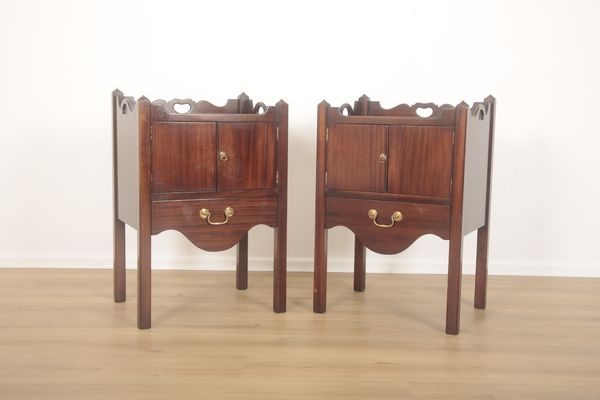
pixel 378 231
pixel 213 224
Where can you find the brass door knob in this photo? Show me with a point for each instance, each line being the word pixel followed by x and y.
pixel 223 156
pixel 382 157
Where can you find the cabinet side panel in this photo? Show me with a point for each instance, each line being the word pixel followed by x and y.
pixel 353 157
pixel 476 170
pixel 127 150
pixel 420 160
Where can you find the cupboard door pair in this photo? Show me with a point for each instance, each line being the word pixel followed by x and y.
pixel 209 156
pixel 413 160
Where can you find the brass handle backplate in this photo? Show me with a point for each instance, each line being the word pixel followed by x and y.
pixel 396 217
pixel 205 214
pixel 223 156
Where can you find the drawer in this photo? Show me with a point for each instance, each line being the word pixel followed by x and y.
pixel 213 224
pixel 413 221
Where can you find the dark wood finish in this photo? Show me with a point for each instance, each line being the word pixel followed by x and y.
pixel 184 216
pixel 371 113
pixel 241 265
pixel 437 174
pixel 119 280
pixel 162 113
pixel 320 255
pixel 184 156
pixel 167 168
pixel 356 148
pixel 420 160
pixel 361 107
pixel 360 263
pixel 145 222
pixel 119 292
pixel 280 245
pixel 222 193
pixel 250 156
pixel 456 237
pixel 481 267
pixel 418 219
pixel 407 198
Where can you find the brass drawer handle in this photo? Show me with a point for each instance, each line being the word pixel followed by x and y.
pixel 396 217
pixel 205 214
pixel 223 156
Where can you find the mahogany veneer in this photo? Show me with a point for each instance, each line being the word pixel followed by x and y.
pixel 209 172
pixel 391 176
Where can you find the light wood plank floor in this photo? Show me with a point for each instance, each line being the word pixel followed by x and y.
pixel 62 337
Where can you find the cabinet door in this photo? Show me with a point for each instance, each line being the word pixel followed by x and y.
pixel 184 156
pixel 356 157
pixel 246 156
pixel 420 160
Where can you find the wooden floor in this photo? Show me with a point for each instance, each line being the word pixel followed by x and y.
pixel 62 337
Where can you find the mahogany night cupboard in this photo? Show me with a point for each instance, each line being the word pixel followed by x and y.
pixel 209 172
pixel 391 176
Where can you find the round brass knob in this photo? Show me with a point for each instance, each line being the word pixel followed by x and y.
pixel 223 156
pixel 382 157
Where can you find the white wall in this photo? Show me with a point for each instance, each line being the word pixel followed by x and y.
pixel 60 60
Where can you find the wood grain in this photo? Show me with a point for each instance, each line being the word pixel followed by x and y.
pixel 360 265
pixel 251 153
pixel 144 242
pixel 353 157
pixel 436 170
pixel 184 157
pixel 62 338
pixel 320 253
pixel 455 244
pixel 481 266
pixel 280 232
pixel 165 166
pixel 241 264
pixel 418 220
pixel 184 216
pixel 420 160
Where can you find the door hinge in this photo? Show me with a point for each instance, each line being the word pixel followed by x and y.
pixel 327 134
pixel 277 177
pixel 277 134
pixel 325 177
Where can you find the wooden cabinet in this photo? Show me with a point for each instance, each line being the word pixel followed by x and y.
pixel 391 176
pixel 209 172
